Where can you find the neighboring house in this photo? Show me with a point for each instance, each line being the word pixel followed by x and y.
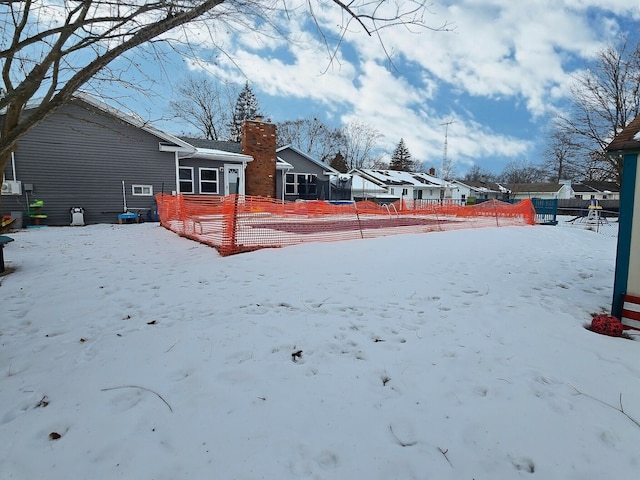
pixel 471 191
pixel 626 287
pixel 301 176
pixel 384 186
pixel 544 191
pixel 588 190
pixel 89 155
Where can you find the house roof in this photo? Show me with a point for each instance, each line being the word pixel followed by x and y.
pixel 216 150
pixel 534 187
pixel 594 186
pixel 226 146
pixel 399 178
pixel 321 164
pixel 628 138
pixel 221 155
pixel 483 187
pixel 282 165
pixel 363 186
pixel 582 188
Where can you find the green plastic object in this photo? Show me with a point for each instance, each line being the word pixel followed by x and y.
pixel 37 203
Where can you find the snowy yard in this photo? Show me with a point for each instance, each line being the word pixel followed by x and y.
pixel 129 352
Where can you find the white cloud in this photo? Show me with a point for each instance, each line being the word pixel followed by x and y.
pixel 522 52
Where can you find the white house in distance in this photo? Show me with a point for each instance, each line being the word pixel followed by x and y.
pixel 591 190
pixel 384 186
pixel 471 191
pixel 544 191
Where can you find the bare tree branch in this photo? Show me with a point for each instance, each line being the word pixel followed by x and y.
pixel 49 50
pixel 605 98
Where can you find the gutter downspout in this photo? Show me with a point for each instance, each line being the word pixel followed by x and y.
pixel 244 178
pixel 13 165
pixel 177 159
pixel 284 179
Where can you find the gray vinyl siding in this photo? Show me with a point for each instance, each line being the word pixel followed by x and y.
pixel 197 164
pixel 303 165
pixel 78 157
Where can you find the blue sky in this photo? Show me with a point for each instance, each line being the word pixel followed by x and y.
pixel 499 74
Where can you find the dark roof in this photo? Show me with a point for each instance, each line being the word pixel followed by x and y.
pixel 626 140
pixel 594 186
pixel 231 147
pixel 582 187
pixel 479 184
pixel 533 187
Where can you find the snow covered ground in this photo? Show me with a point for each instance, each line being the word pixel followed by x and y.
pixel 129 352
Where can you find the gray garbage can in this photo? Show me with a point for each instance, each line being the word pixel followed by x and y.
pixel 77 217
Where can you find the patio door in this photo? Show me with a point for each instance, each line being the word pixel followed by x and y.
pixel 233 179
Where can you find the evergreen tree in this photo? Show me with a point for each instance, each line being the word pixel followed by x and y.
pixel 401 158
pixel 339 163
pixel 246 109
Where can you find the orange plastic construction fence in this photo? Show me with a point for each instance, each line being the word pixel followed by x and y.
pixel 241 223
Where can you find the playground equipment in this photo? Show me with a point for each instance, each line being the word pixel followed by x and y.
pixel 594 217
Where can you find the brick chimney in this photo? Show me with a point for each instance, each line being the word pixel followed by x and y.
pixel 259 141
pixel 432 172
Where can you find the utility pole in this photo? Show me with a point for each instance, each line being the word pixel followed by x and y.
pixel 446 164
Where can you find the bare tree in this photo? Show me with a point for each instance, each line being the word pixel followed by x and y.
pixel 206 105
pixel 562 156
pixel 522 171
pixel 49 50
pixel 478 174
pixel 311 136
pixel 605 98
pixel 360 149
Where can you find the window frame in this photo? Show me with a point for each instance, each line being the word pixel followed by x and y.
pixel 215 182
pixel 191 180
pixel 142 188
pixel 291 187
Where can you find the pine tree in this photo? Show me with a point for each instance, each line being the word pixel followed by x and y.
pixel 339 163
pixel 246 109
pixel 401 158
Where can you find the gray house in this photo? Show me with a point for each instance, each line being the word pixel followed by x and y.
pixel 302 177
pixel 92 156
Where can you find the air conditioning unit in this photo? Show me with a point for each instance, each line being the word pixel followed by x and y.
pixel 11 187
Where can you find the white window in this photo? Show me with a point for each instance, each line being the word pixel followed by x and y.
pixel 186 179
pixel 303 184
pixel 208 181
pixel 143 190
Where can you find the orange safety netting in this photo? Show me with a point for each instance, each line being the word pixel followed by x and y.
pixel 241 223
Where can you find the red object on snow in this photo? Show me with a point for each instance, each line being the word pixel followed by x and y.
pixel 607 325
